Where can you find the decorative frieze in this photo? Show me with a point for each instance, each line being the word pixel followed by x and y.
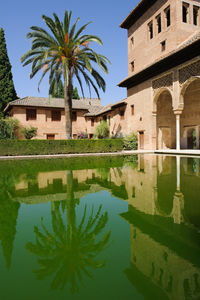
pixel 163 82
pixel 189 71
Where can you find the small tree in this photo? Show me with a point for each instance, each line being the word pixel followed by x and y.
pixel 59 92
pixel 8 128
pixel 29 132
pixel 131 142
pixel 75 94
pixel 7 89
pixel 102 130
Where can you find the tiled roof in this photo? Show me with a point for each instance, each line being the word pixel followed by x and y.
pixel 107 108
pixel 120 103
pixel 54 103
pixel 87 104
pixel 99 110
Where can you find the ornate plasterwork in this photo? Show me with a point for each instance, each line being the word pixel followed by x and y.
pixel 189 71
pixel 163 82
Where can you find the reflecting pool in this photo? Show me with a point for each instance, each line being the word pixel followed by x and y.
pixel 100 228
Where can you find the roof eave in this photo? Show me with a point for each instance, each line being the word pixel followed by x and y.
pixel 119 105
pixel 9 105
pixel 136 13
pixel 6 108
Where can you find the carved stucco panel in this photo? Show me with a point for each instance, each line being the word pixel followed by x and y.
pixel 163 82
pixel 189 71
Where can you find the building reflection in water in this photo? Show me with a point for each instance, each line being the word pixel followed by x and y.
pixel 165 239
pixel 164 205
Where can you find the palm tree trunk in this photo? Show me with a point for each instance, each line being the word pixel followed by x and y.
pixel 70 204
pixel 68 108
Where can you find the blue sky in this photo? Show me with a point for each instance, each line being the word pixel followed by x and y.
pixel 16 17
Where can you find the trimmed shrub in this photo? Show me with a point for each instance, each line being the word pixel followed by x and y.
pixel 42 147
pixel 131 142
pixel 102 130
pixel 29 132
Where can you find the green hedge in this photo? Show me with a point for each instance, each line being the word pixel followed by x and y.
pixel 42 147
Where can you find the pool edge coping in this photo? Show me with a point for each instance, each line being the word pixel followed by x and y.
pixel 190 153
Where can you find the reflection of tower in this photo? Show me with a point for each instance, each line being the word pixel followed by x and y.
pixel 164 263
pixel 165 249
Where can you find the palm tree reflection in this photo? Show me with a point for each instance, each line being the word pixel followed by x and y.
pixel 69 251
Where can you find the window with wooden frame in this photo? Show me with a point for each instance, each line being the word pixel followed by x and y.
pixel 92 122
pixel 55 115
pixel 159 25
pixel 31 114
pixel 74 116
pixel 121 113
pixel 50 136
pixel 168 16
pixel 132 110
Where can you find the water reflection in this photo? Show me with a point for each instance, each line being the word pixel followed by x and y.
pixel 8 217
pixel 165 239
pixel 163 196
pixel 69 252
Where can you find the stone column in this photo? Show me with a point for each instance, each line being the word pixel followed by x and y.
pixel 154 130
pixel 178 132
pixel 178 113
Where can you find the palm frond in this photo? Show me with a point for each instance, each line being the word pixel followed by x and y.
pixel 67 19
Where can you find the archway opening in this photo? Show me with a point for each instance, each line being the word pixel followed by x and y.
pixel 166 122
pixel 190 118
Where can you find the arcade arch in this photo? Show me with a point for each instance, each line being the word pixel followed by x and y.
pixel 165 121
pixel 190 117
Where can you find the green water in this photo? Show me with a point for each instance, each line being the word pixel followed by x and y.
pixel 100 228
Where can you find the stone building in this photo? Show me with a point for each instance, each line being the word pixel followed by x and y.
pixel 163 83
pixel 48 116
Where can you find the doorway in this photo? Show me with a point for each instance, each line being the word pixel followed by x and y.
pixel 141 139
pixel 50 136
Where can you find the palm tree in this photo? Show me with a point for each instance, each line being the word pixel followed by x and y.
pixel 65 54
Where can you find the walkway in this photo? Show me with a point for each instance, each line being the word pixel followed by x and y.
pixel 194 153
